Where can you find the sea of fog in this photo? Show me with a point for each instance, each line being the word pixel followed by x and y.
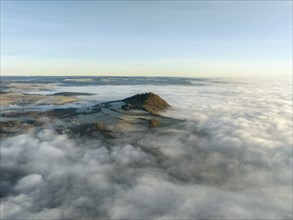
pixel 231 158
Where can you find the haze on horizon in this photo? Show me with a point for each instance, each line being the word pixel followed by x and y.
pixel 156 38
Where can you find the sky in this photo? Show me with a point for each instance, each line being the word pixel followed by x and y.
pixel 147 38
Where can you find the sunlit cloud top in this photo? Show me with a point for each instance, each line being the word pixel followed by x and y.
pixel 166 38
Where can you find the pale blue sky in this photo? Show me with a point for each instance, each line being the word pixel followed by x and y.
pixel 169 38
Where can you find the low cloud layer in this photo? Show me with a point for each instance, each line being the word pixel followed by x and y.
pixel 230 159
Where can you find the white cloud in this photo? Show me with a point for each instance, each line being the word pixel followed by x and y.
pixel 29 183
pixel 230 159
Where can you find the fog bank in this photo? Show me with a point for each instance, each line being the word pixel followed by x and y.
pixel 230 159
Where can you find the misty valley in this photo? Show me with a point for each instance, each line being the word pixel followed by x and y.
pixel 126 147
